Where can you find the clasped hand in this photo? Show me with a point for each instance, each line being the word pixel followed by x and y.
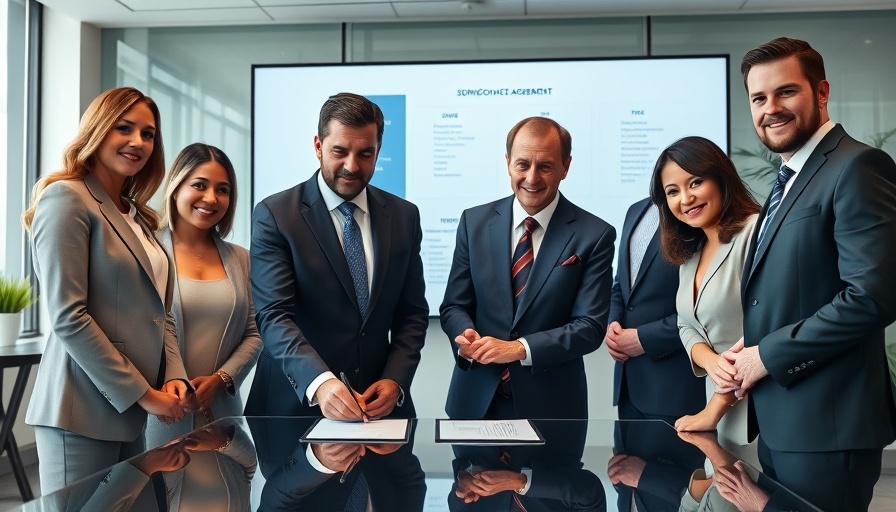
pixel 488 349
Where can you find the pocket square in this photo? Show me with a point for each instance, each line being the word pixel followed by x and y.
pixel 572 260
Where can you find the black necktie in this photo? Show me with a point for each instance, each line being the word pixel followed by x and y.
pixel 774 202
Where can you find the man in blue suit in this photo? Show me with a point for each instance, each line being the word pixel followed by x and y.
pixel 529 289
pixel 818 289
pixel 338 281
pixel 653 377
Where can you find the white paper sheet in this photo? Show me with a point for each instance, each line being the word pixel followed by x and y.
pixel 487 432
pixel 376 431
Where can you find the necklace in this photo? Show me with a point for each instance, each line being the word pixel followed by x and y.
pixel 195 255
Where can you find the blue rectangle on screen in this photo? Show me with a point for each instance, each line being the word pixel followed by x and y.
pixel 390 166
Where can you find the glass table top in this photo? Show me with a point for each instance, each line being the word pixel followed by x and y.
pixel 260 463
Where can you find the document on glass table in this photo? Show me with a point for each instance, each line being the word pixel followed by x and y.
pixel 324 430
pixel 487 432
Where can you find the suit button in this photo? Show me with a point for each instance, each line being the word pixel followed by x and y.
pixel 631 308
pixel 514 335
pixel 157 321
pixel 363 334
pixel 753 302
pixel 790 371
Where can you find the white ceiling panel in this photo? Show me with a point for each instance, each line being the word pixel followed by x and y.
pixel 167 5
pixel 629 7
pixel 154 13
pixel 329 14
pixel 817 5
pixel 455 9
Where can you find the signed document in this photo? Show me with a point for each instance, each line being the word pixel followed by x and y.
pixel 487 432
pixel 325 430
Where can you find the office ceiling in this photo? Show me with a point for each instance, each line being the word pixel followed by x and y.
pixel 154 13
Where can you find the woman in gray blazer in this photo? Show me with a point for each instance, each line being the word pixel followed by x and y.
pixel 109 359
pixel 707 216
pixel 212 312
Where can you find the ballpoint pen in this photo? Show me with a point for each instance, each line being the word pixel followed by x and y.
pixel 351 391
pixel 350 467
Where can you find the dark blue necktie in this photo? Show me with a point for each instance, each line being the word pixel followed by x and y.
pixel 523 256
pixel 354 254
pixel 784 175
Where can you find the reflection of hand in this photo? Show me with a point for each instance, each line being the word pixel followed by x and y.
pixel 625 469
pixel 489 483
pixel 464 489
pixel 206 439
pixel 736 486
pixel 207 389
pixel 337 456
pixel 380 398
pixel 336 403
pixel 165 459
pixel 383 448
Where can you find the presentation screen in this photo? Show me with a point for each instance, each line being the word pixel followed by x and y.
pixel 446 126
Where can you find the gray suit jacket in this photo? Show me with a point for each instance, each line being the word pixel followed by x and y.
pixel 817 295
pixel 109 334
pixel 240 345
pixel 716 317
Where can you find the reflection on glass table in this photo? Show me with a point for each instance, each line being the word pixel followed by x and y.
pixel 261 464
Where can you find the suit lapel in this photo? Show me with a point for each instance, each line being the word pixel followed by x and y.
pixel 556 238
pixel 625 279
pixel 316 215
pixel 499 235
pixel 381 231
pixel 813 164
pixel 124 231
pixel 717 259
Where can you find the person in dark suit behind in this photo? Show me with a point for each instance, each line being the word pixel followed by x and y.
pixel 529 289
pixel 547 477
pixel 652 379
pixel 651 465
pixel 817 289
pixel 303 476
pixel 338 281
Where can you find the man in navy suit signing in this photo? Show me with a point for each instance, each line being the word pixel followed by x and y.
pixel 529 289
pixel 338 282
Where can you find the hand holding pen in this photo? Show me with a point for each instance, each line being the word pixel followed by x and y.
pixel 355 396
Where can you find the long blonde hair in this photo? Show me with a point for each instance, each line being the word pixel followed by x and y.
pixel 79 157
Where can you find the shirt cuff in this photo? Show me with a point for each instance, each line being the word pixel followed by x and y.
pixel 527 472
pixel 316 464
pixel 528 360
pixel 312 388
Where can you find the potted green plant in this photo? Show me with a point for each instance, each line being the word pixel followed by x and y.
pixel 15 295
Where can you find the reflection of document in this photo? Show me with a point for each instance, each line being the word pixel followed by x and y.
pixel 376 431
pixel 486 432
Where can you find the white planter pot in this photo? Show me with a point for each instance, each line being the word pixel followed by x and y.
pixel 10 326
